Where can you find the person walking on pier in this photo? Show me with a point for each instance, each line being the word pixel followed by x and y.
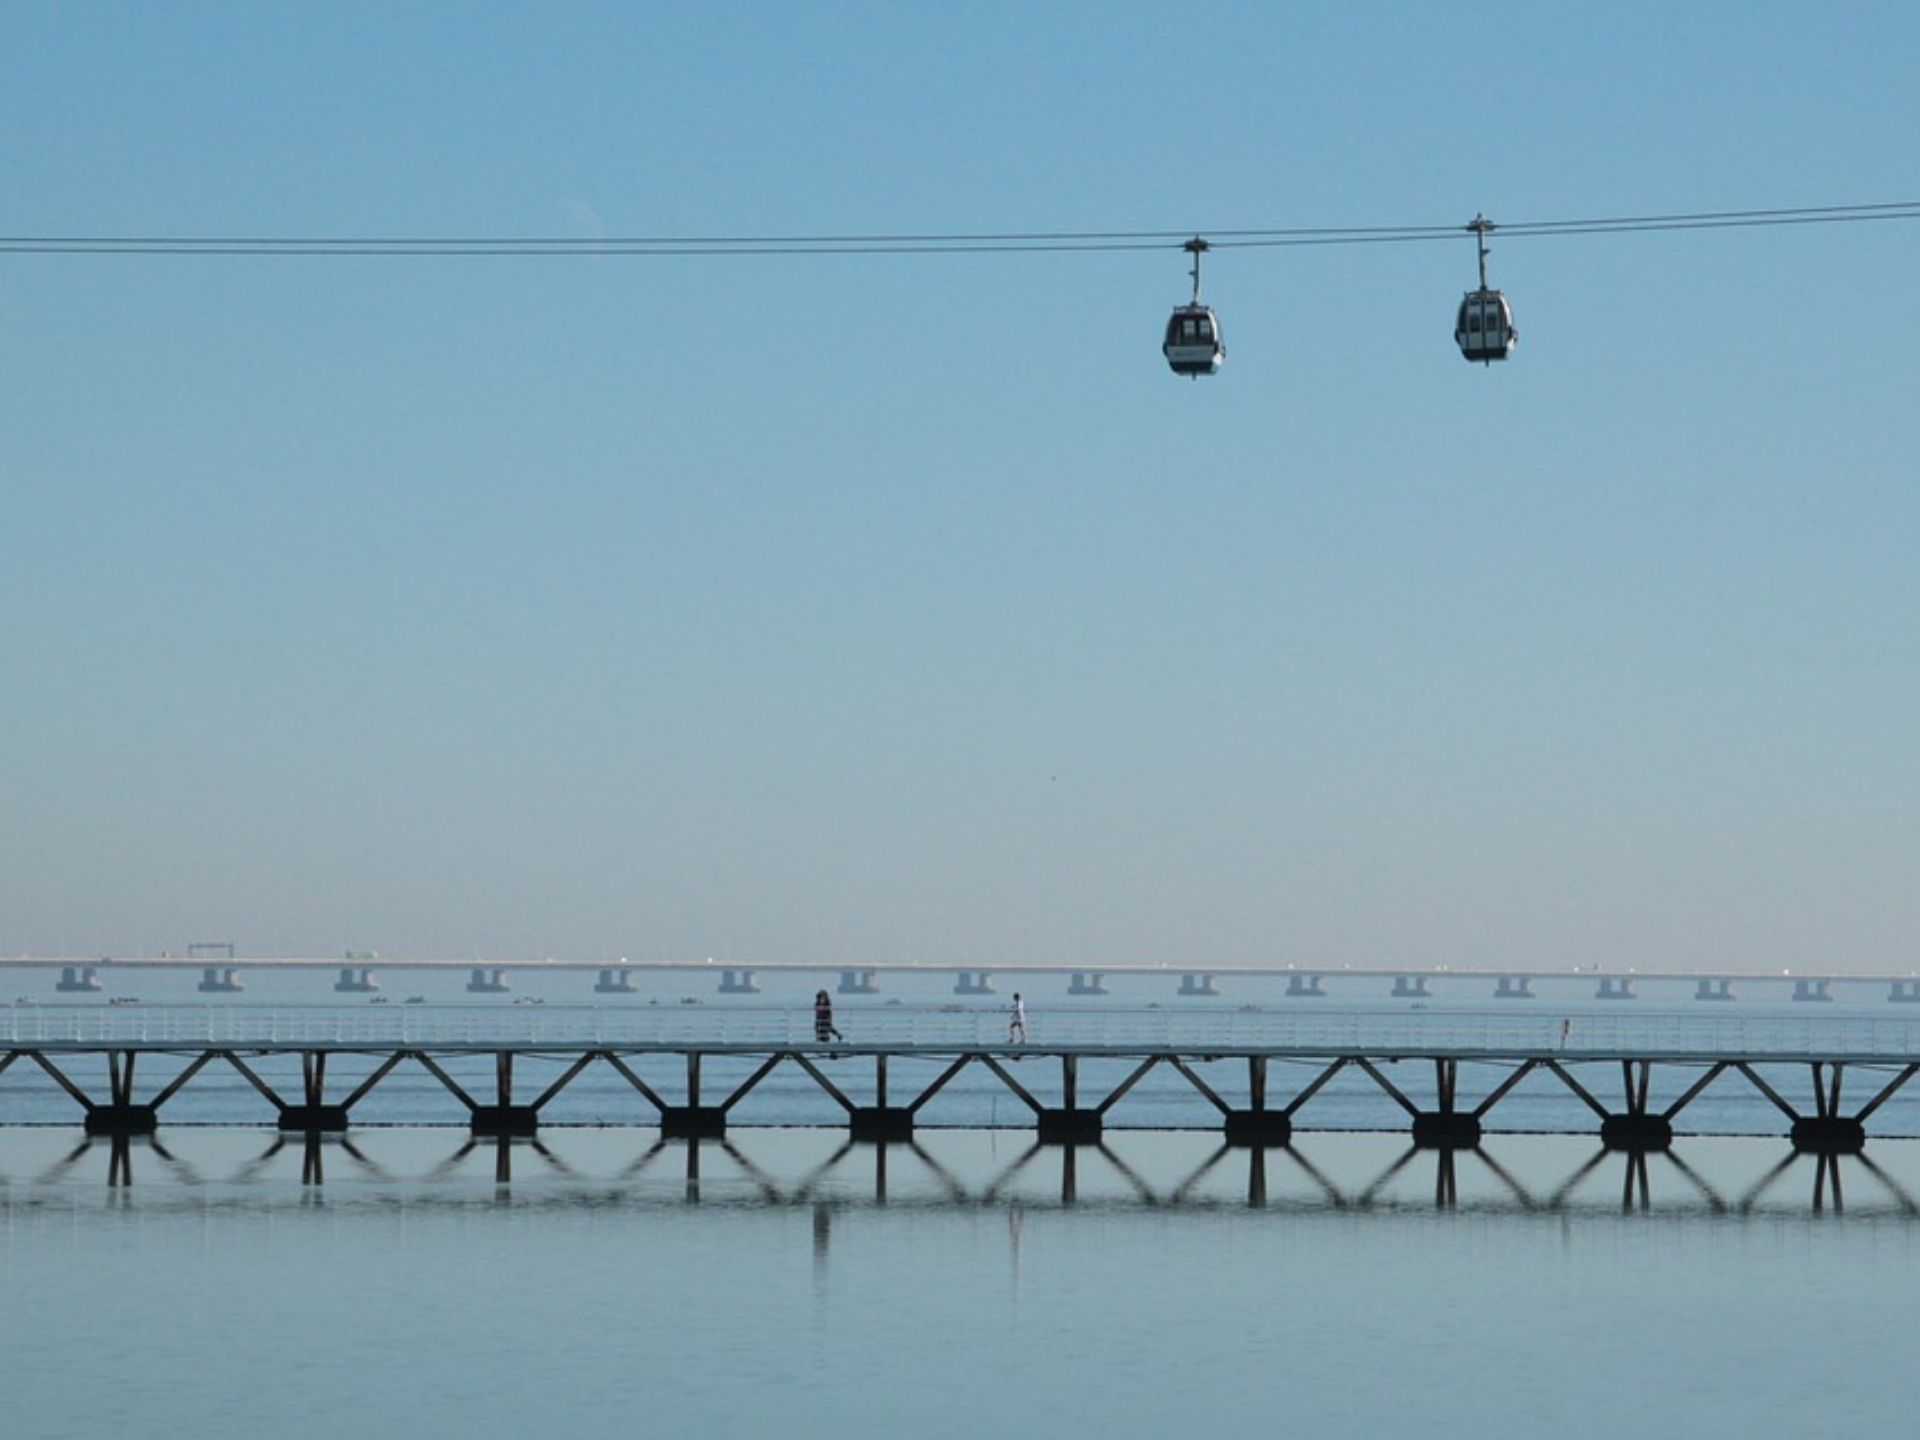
pixel 823 1030
pixel 1017 1022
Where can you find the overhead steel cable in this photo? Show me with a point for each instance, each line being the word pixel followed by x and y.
pixel 1027 242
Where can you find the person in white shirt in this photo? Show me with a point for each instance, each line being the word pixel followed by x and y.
pixel 1017 1025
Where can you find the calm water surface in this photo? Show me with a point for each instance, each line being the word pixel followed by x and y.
pixel 784 1284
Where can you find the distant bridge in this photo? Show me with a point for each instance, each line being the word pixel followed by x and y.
pixel 360 973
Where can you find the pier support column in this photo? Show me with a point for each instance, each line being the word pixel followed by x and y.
pixel 880 1122
pixel 313 1116
pixel 487 981
pixel 614 981
pixel 355 980
pixel 693 1121
pixel 81 979
pixel 858 982
pixel 1411 987
pixel 504 1117
pixel 1257 1126
pixel 1639 1128
pixel 1197 982
pixel 120 1116
pixel 1447 1128
pixel 1306 986
pixel 1713 990
pixel 974 982
pixel 1828 1132
pixel 1513 987
pixel 1087 982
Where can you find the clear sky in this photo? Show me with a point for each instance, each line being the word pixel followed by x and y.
pixel 906 607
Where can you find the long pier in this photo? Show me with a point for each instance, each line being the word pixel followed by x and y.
pixel 1592 1057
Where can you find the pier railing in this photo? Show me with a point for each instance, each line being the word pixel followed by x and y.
pixel 1455 1033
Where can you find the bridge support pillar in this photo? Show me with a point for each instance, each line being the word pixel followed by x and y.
pixel 880 1123
pixel 974 982
pixel 1513 987
pixel 614 981
pixel 693 1122
pixel 1829 1135
pixel 1636 1132
pixel 1198 983
pixel 1713 990
pixel 1253 1129
pixel 1087 982
pixel 79 978
pixel 1070 1127
pixel 1410 987
pixel 1307 986
pixel 1446 1130
pixel 355 980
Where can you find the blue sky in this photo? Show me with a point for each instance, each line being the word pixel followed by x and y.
pixel 906 607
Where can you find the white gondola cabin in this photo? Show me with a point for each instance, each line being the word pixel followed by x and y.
pixel 1194 345
pixel 1483 329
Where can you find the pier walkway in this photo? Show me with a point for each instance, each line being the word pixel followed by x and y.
pixel 1591 1055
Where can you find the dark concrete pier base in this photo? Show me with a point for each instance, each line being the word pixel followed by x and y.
pixel 1636 1132
pixel 122 1120
pixel 1255 1128
pixel 881 1122
pixel 506 1120
pixel 1829 1135
pixel 313 1119
pixel 1445 1130
pixel 1070 1127
pixel 693 1122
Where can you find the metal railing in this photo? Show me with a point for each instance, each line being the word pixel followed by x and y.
pixel 1643 1033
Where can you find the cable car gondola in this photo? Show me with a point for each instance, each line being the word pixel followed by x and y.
pixel 1194 346
pixel 1484 327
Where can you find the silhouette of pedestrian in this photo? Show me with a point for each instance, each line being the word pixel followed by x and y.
pixel 823 1030
pixel 1017 1023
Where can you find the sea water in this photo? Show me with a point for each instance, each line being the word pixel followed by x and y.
pixel 785 1283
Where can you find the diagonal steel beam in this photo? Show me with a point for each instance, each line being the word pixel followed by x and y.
pixel 172 1086
pixel 1314 1089
pixel 1892 1088
pixel 626 1071
pixel 445 1079
pixel 1499 1091
pixel 1767 1090
pixel 1011 1083
pixel 385 1069
pixel 752 1080
pixel 820 1079
pixel 1576 1087
pixel 253 1079
pixel 1205 1089
pixel 1687 1096
pixel 934 1089
pixel 65 1084
pixel 1125 1085
pixel 566 1078
pixel 1388 1086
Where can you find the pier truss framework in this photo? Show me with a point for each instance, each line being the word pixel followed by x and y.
pixel 1256 1116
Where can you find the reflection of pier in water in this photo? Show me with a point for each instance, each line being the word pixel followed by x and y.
pixel 859 1173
